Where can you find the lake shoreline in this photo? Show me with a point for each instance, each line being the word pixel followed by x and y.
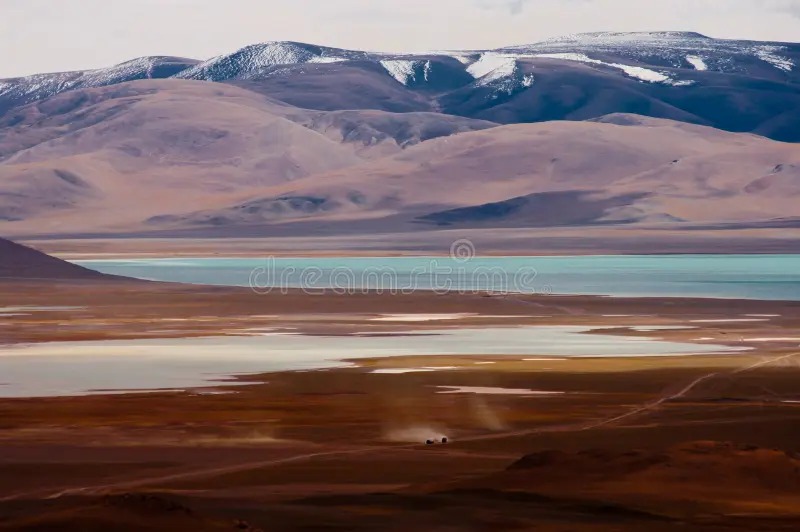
pixel 255 242
pixel 57 321
pixel 755 277
pixel 141 310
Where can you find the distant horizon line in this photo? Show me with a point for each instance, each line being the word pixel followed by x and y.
pixel 566 36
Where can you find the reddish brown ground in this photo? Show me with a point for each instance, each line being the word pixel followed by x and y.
pixel 696 443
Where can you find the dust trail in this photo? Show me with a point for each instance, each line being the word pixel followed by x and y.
pixel 414 434
pixel 204 473
pixel 485 415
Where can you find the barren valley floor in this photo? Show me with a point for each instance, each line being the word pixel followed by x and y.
pixel 705 442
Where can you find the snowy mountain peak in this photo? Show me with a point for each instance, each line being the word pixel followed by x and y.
pixel 672 50
pixel 148 67
pixel 38 86
pixel 253 59
pixel 472 81
pixel 630 36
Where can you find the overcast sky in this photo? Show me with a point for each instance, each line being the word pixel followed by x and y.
pixel 56 35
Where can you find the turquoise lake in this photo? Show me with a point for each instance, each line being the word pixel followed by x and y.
pixel 769 277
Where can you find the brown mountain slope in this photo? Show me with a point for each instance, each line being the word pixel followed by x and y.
pixel 20 262
pixel 108 158
pixel 166 155
pixel 622 169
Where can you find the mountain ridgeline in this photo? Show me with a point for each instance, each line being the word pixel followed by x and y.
pixel 733 85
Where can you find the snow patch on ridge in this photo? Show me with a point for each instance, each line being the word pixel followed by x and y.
pixel 570 56
pixel 508 84
pixel 681 82
pixel 324 60
pixel 500 71
pixel 640 73
pixel 697 62
pixel 405 70
pixel 494 65
pixel 768 54
pixel 463 59
pixel 401 70
pixel 643 74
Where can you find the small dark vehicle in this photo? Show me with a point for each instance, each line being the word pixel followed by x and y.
pixel 429 442
pixel 444 440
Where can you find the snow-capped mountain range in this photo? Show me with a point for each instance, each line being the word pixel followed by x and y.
pixel 677 50
pixel 672 67
pixel 40 86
